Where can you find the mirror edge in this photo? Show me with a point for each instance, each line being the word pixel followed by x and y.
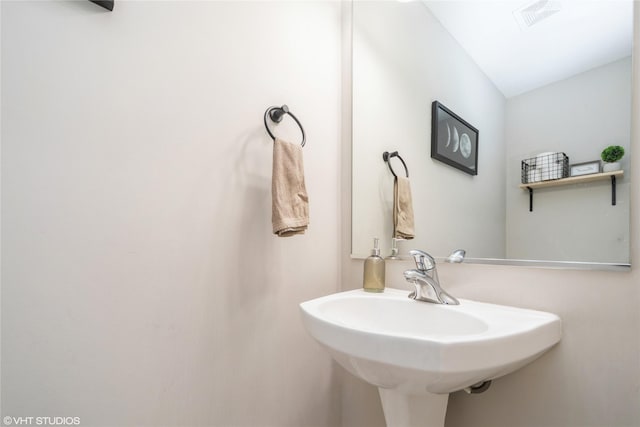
pixel 563 265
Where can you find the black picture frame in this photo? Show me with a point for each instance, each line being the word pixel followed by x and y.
pixel 107 4
pixel 448 144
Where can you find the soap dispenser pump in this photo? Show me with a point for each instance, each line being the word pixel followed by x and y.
pixel 374 273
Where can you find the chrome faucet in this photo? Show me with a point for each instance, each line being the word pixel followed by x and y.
pixel 425 279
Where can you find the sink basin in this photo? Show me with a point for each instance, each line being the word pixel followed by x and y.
pixel 409 348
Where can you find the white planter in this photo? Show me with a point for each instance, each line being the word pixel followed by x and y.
pixel 610 167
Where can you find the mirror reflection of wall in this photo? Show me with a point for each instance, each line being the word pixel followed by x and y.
pixel 581 114
pixel 405 57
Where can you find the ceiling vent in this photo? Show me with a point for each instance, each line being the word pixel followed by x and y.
pixel 534 12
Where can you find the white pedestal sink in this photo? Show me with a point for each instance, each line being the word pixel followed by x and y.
pixel 416 353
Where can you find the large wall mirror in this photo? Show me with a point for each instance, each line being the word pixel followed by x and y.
pixel 531 77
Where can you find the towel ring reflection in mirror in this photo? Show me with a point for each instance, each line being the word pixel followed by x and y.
pixel 386 156
pixel 276 114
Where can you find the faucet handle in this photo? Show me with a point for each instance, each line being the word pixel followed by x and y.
pixel 424 261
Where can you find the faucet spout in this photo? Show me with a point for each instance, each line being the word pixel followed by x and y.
pixel 427 289
pixel 425 280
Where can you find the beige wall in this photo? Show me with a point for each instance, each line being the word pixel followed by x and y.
pixel 592 378
pixel 141 284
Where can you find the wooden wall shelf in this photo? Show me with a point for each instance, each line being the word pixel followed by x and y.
pixel 575 180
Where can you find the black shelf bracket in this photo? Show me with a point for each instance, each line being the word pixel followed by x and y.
pixel 613 193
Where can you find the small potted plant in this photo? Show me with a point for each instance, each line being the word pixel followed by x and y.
pixel 611 156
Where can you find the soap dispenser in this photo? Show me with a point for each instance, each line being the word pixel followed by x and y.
pixel 394 249
pixel 374 270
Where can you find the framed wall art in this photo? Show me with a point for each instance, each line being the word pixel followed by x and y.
pixel 453 140
pixel 585 168
pixel 107 4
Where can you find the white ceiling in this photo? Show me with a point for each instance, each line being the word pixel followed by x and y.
pixel 583 35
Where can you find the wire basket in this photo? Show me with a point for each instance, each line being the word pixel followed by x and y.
pixel 544 167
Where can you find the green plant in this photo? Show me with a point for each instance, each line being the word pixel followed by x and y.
pixel 612 153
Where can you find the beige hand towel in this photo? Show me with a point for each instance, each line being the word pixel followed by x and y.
pixel 402 209
pixel 290 203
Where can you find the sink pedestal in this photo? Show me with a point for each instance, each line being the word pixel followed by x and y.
pixel 409 410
